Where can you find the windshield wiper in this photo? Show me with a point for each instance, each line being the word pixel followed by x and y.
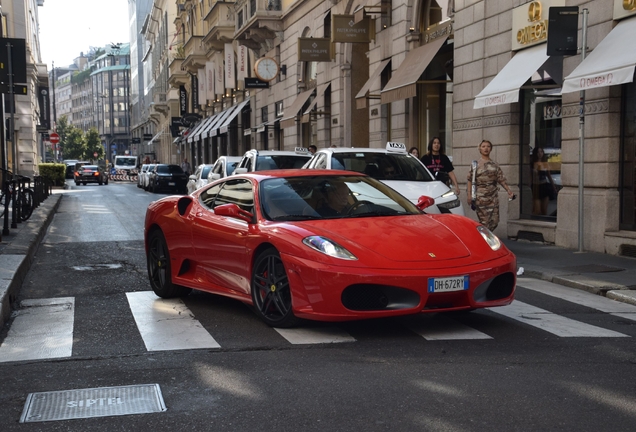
pixel 295 217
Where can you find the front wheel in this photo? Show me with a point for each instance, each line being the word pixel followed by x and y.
pixel 159 270
pixel 271 292
pixel 26 204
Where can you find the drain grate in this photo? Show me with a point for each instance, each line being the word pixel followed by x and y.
pixel 95 402
pixel 627 250
pixel 592 268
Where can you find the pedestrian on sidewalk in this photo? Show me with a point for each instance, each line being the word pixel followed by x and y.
pixel 483 182
pixel 185 166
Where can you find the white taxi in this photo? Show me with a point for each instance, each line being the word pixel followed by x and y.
pixel 260 160
pixel 396 168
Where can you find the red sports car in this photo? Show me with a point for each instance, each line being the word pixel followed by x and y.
pixel 323 245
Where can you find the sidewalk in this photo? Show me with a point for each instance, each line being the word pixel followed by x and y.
pixel 612 276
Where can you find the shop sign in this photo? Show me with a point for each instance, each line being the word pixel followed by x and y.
pixel 345 29
pixel 530 23
pixel 552 112
pixel 255 83
pixel 314 49
pixel 624 8
pixel 442 29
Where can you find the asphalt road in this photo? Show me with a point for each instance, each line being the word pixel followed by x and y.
pixel 554 362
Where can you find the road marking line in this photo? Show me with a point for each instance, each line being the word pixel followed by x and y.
pixel 167 324
pixel 440 327
pixel 552 323
pixel 315 335
pixel 583 298
pixel 42 329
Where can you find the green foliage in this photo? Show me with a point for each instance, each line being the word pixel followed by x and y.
pixel 93 145
pixel 80 77
pixel 53 172
pixel 75 146
pixel 62 128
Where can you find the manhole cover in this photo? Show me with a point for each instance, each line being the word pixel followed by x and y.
pixel 95 402
pixel 592 268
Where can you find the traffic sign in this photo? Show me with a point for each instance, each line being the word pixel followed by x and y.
pixel 54 138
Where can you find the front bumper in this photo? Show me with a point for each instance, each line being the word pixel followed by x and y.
pixel 330 293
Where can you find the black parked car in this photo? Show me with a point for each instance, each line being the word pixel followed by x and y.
pixel 90 174
pixel 167 177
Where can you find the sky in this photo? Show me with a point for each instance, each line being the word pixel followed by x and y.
pixel 70 27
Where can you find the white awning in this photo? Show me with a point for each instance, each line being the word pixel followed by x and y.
pixel 213 122
pixel 222 117
pixel 504 88
pixel 196 133
pixel 226 123
pixel 155 139
pixel 611 63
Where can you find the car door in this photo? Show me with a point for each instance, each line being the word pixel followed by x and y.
pixel 220 242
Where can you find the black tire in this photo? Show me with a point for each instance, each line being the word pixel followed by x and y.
pixel 84 183
pixel 77 184
pixel 159 270
pixel 271 293
pixel 26 204
pixel 101 183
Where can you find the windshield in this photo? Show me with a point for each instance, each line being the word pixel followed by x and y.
pixel 382 166
pixel 126 161
pixel 280 162
pixel 169 169
pixel 330 197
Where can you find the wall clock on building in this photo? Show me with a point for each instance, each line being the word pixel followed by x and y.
pixel 266 68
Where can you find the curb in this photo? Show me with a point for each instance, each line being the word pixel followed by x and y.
pixel 17 256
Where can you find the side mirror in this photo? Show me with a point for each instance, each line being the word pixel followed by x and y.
pixel 232 210
pixel 193 177
pixel 214 176
pixel 424 202
pixel 240 171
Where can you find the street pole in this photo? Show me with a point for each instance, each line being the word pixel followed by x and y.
pixel 582 135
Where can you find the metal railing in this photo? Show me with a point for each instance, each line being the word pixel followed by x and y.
pixel 18 199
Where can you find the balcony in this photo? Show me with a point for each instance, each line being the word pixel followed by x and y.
pixel 178 75
pixel 220 24
pixel 195 54
pixel 159 103
pixel 258 23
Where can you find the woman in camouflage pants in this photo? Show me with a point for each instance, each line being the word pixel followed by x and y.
pixel 488 176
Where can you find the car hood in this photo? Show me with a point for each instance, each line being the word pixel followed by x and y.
pixel 412 190
pixel 403 239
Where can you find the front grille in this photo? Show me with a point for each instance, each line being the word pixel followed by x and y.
pixel 370 297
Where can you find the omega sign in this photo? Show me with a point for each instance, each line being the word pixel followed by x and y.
pixel 537 30
pixel 599 80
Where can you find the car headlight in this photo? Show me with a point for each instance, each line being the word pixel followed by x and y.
pixel 328 247
pixel 491 239
pixel 450 204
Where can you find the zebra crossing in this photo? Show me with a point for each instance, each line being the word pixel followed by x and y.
pixel 43 329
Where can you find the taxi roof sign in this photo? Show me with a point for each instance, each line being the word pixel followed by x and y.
pixel 396 147
pixel 301 150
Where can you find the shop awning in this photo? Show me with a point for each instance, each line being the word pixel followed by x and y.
pixel 363 94
pixel 261 127
pixel 237 109
pixel 197 130
pixel 611 63
pixel 214 120
pixel 289 119
pixel 504 88
pixel 155 139
pixel 222 116
pixel 403 83
pixel 319 93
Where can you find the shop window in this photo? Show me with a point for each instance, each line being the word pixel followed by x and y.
pixel 627 180
pixel 540 160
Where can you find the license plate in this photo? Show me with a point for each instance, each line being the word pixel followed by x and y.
pixel 455 283
pixel 170 183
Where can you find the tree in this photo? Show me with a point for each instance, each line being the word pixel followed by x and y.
pixel 94 145
pixel 75 147
pixel 62 128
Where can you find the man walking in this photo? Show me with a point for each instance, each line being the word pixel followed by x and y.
pixel 185 166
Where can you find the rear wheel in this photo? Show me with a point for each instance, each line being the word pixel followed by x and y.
pixel 26 204
pixel 159 269
pixel 271 293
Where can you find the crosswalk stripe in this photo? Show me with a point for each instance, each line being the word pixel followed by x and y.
pixel 552 323
pixel 42 329
pixel 583 298
pixel 315 335
pixel 440 327
pixel 167 324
